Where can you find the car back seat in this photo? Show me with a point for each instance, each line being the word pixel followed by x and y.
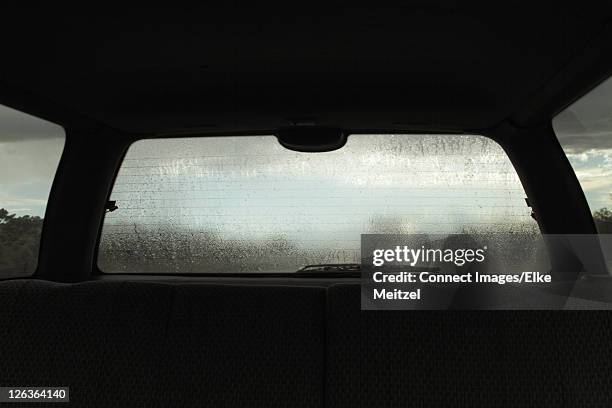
pixel 155 344
pixel 189 344
pixel 463 358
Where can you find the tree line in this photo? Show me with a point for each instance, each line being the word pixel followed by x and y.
pixel 20 240
pixel 19 243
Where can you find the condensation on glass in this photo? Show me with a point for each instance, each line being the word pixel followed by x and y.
pixel 584 130
pixel 30 150
pixel 247 204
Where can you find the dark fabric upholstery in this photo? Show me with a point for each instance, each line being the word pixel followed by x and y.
pixel 101 339
pixel 249 346
pixel 164 344
pixel 460 358
pixel 152 344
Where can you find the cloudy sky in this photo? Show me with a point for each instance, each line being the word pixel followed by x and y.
pixel 30 149
pixel 585 131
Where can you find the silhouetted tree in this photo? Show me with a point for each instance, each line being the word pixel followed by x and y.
pixel 19 243
pixel 603 214
pixel 603 220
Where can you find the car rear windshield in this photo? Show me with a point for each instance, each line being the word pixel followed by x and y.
pixel 247 204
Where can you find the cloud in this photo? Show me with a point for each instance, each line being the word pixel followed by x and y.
pixel 587 123
pixel 593 168
pixel 17 126
pixel 372 160
pixel 27 169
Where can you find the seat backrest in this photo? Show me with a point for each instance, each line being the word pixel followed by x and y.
pixel 169 344
pixel 156 344
pixel 465 358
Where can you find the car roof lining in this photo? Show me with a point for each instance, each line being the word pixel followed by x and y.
pixel 426 66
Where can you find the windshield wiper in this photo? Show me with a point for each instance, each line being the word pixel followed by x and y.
pixel 330 270
pixel 353 270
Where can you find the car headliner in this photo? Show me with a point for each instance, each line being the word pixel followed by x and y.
pixel 427 65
